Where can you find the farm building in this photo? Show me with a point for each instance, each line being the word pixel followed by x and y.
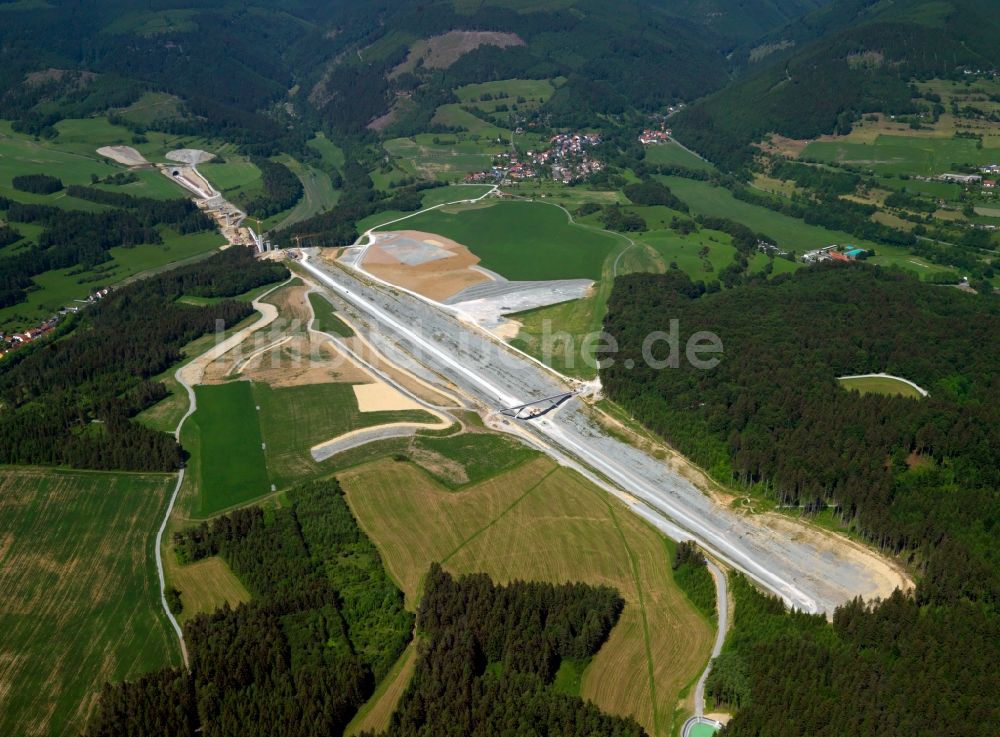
pixel 961 178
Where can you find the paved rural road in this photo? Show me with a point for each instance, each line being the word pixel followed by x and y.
pixel 805 575
pixel 188 375
pixel 722 612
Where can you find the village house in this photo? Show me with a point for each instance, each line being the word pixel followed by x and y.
pixel 651 136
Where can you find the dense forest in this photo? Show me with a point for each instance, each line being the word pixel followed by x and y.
pixel 920 478
pixel 69 400
pixel 488 655
pixel 37 183
pixel 281 189
pixel 65 60
pixel 325 624
pixel 907 666
pixel 76 238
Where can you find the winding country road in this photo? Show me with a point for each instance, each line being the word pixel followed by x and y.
pixel 722 613
pixel 187 376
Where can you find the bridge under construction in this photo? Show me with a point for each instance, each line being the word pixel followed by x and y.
pixel 539 407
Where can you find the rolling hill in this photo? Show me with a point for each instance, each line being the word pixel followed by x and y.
pixel 252 71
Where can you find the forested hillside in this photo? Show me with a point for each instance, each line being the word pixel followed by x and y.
pixel 69 400
pixel 910 665
pixel 918 477
pixel 240 70
pixel 74 238
pixel 863 60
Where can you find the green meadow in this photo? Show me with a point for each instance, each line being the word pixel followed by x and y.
pixel 230 456
pixel 450 158
pixel 670 154
pixel 522 240
pixel 531 89
pixel 887 385
pixel 330 153
pixel 294 419
pixel 431 197
pixel 453 116
pixel 326 318
pixel 790 233
pixel 903 154
pixel 235 177
pixel 700 255
pixel 247 437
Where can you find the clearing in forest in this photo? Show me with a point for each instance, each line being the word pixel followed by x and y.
pixel 892 386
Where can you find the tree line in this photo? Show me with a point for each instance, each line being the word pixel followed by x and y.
pixel 281 189
pixel 37 183
pixel 70 400
pixel 900 667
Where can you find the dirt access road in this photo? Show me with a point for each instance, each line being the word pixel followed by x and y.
pixel 188 375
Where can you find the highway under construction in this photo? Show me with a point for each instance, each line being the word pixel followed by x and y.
pixel 519 395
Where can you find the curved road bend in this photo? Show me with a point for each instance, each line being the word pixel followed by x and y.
pixel 722 612
pixel 804 575
pixel 268 314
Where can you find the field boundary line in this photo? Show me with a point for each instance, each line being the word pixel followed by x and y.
pixel 633 563
pixel 500 516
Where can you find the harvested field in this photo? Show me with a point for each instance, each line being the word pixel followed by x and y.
pixel 207 585
pixel 81 602
pixel 380 397
pixel 542 522
pixel 427 264
pixel 375 715
pixel 123 155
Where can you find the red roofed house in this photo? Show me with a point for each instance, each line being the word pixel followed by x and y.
pixel 838 256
